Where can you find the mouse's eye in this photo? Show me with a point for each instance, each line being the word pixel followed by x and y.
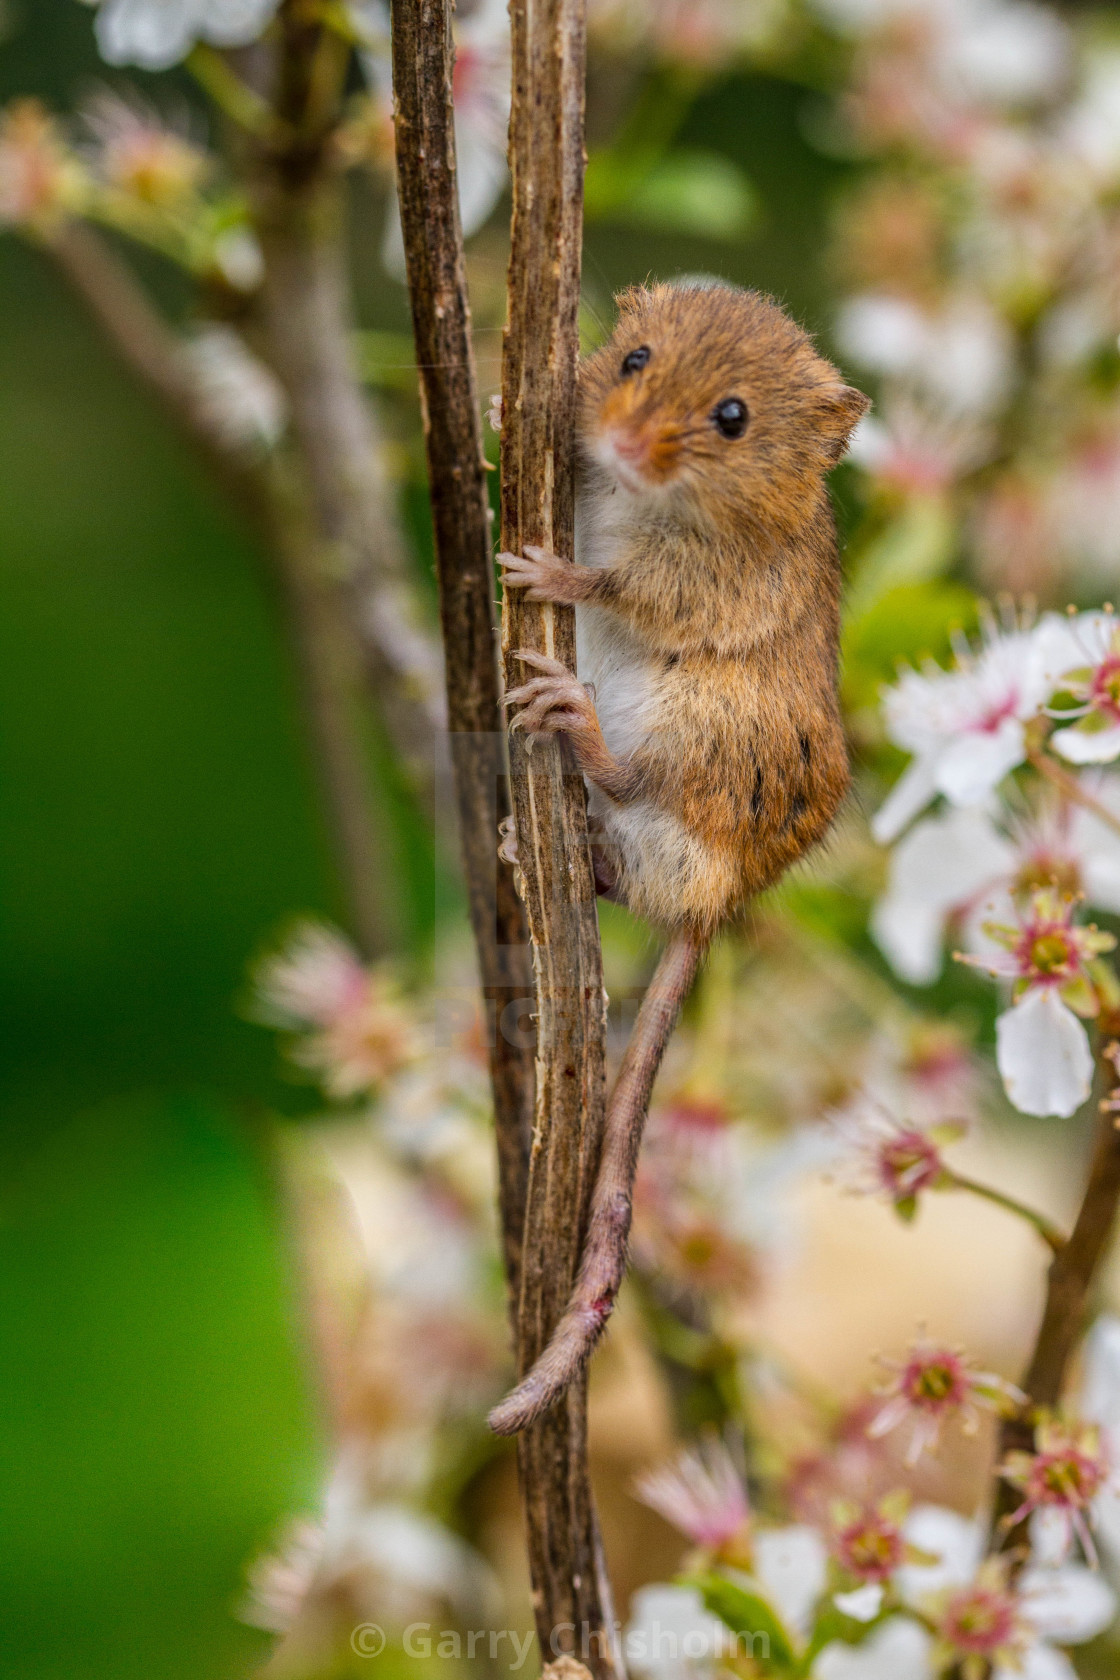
pixel 635 359
pixel 729 417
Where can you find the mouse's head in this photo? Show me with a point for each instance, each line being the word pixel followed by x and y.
pixel 712 395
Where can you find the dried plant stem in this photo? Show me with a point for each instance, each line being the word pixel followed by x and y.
pixel 1073 1272
pixel 268 496
pixel 541 351
pixel 429 203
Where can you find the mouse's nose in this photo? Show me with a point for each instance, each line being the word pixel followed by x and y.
pixel 626 455
pixel 631 446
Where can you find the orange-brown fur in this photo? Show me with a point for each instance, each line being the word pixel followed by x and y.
pixel 723 569
pixel 707 605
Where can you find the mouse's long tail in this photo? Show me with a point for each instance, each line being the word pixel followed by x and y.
pixel 608 1227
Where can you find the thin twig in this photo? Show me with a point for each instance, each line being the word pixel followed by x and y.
pixel 1054 1239
pixel 298 207
pixel 429 203
pixel 1073 1272
pixel 1068 784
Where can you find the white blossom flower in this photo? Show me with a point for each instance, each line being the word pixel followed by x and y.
pixel 702 1494
pixel 930 1386
pixel 354 1031
pixel 39 179
pixel 960 864
pixel 1093 680
pixel 791 1566
pixel 157 33
pixel 1069 1469
pixel 899 1650
pixel 880 1154
pixel 671 1636
pixel 1099 1401
pixel 1051 1606
pixel 139 155
pixel 962 357
pixel 237 395
pixel 965 727
pixel 389 1558
pixel 1043 1055
pixel 937 868
pixel 280 1581
pixel 1042 1050
pixel 1092 126
pixel 1003 54
pixel 916 449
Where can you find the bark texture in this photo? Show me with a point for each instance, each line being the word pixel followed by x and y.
pixel 429 203
pixel 570 1596
pixel 540 357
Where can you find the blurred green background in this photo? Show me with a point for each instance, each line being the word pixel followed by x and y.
pixel 158 820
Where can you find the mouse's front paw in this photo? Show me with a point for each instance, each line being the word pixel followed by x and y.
pixel 556 700
pixel 542 575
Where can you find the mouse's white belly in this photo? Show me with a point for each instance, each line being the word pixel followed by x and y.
pixel 658 864
pixel 623 672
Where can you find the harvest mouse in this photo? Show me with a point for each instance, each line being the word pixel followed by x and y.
pixel 706 585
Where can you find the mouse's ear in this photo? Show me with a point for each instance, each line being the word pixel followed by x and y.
pixel 836 408
pixel 628 302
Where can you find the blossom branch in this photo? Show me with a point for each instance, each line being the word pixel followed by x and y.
pixel 154 354
pixel 1072 1274
pixel 298 209
pixel 429 204
pixel 1071 789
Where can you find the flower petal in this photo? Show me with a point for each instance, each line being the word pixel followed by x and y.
pixel 1039 1662
pixel 1043 1055
pixel 976 762
pixel 1070 1604
pixel 909 795
pixel 899 1650
pixel 791 1564
pixel 942 862
pixel 957 1542
pixel 662 1619
pixel 863 1604
pixel 1100 1383
pixel 1087 746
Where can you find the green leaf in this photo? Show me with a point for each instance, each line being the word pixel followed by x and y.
pixel 909 622
pixel 691 192
pixel 833 1627
pixel 916 546
pixel 750 1618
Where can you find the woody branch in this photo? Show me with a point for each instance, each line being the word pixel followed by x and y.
pixel 1070 1280
pixel 429 205
pixel 540 357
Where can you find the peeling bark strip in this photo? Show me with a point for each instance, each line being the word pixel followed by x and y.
pixel 429 202
pixel 540 357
